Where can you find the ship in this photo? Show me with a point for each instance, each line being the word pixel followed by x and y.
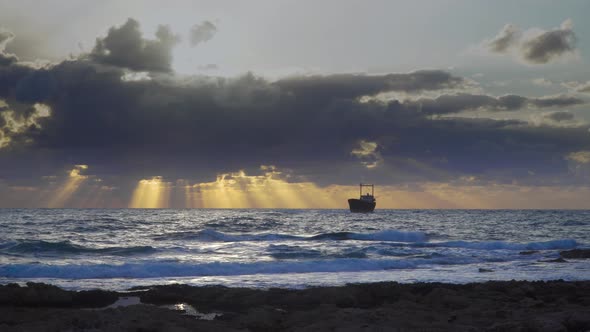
pixel 366 203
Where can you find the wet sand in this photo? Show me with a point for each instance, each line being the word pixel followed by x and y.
pixel 490 306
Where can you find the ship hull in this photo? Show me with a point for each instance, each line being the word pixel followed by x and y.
pixel 357 205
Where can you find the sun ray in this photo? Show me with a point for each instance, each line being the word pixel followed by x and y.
pixel 272 190
pixel 151 193
pixel 62 195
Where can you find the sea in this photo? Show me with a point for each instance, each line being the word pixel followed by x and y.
pixel 260 248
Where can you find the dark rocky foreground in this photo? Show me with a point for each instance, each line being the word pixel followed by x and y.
pixel 490 306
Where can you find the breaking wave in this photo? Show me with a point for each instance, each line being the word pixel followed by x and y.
pixel 168 269
pixel 502 245
pixel 209 235
pixel 66 247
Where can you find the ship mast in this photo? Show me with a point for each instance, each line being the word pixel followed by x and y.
pixel 361 186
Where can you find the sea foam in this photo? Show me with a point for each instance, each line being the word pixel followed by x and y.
pixel 168 269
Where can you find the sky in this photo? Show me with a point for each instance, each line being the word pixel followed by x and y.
pixel 292 104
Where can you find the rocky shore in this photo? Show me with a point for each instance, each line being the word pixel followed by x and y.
pixel 490 306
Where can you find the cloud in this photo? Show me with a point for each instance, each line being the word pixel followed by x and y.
pixel 125 47
pixel 508 37
pixel 575 86
pixel 550 45
pixel 559 116
pixel 164 127
pixel 367 152
pixel 91 102
pixel 7 59
pixel 17 120
pixel 462 102
pixel 582 157
pixel 584 88
pixel 534 46
pixel 542 82
pixel 5 38
pixel 556 101
pixel 319 88
pixel 201 33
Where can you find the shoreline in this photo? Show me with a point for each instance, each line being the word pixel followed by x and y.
pixel 493 305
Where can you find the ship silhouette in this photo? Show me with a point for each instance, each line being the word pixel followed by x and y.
pixel 366 203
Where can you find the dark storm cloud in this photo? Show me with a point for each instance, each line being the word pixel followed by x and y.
pixel 125 47
pixel 165 127
pixel 316 89
pixel 10 76
pixel 559 116
pixel 201 33
pixel 7 59
pixel 91 101
pixel 535 48
pixel 195 127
